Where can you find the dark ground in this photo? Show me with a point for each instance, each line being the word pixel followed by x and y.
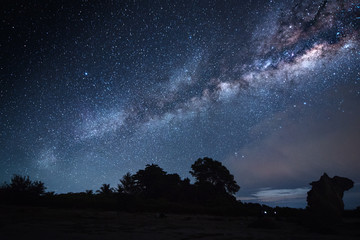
pixel 49 223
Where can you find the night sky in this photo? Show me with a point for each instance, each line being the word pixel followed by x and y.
pixel 90 90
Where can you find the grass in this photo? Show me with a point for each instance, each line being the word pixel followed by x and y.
pixel 49 223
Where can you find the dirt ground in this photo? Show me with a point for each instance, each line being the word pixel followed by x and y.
pixel 47 223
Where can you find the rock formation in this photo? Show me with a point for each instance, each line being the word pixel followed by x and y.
pixel 325 197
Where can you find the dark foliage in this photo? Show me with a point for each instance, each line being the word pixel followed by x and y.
pixel 127 185
pixel 149 189
pixel 150 181
pixel 105 190
pixel 22 190
pixel 212 176
pixel 154 183
pixel 153 190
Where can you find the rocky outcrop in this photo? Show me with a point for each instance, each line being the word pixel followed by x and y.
pixel 325 199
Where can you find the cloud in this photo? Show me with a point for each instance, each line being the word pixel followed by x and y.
pixel 269 195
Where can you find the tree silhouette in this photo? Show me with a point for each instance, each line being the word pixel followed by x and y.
pixel 89 192
pixel 150 180
pixel 154 182
pixel 21 190
pixel 105 189
pixel 209 172
pixel 23 184
pixel 127 184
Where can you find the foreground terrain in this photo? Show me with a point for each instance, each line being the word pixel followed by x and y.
pixel 47 223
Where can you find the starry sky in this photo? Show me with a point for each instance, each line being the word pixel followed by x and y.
pixel 91 90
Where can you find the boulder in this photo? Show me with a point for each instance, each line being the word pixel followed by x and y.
pixel 325 199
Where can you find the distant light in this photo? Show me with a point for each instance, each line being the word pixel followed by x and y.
pixel 86 73
pixel 265 212
pixel 305 103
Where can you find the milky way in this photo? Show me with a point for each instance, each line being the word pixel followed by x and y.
pixel 90 91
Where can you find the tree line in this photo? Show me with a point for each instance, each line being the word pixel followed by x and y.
pixel 153 189
pixel 148 188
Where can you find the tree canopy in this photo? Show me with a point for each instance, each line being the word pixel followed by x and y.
pixel 214 186
pixel 211 172
pixel 105 189
pixel 154 182
pixel 23 185
pixel 127 184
